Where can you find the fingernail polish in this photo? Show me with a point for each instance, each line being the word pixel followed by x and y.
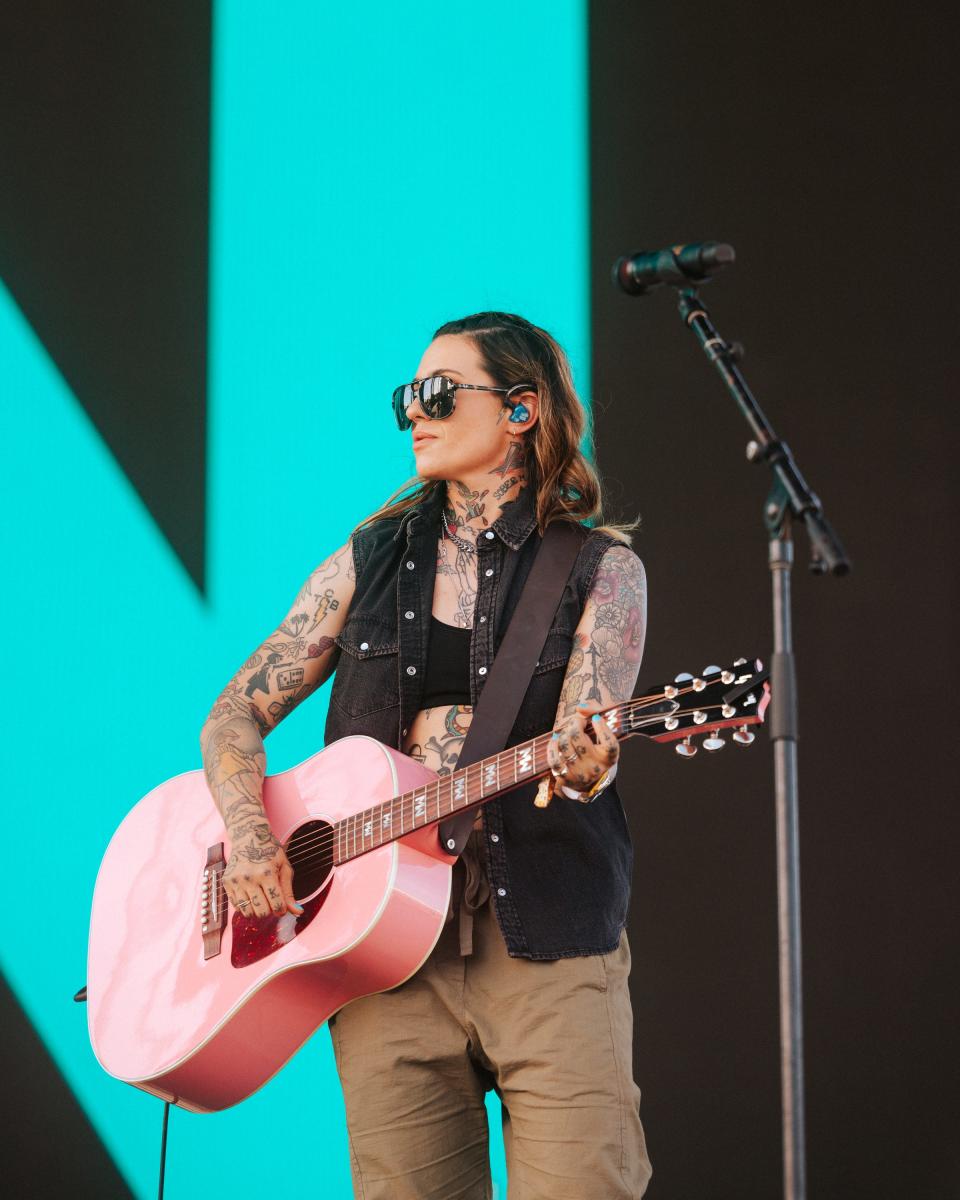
pixel 596 717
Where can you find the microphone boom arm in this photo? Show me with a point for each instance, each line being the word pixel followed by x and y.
pixel 791 494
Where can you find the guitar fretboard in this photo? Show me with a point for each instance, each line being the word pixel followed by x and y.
pixel 660 713
pixel 439 799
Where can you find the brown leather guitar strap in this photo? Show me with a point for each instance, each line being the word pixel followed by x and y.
pixel 515 661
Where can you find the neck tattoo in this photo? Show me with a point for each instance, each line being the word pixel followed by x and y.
pixel 448 530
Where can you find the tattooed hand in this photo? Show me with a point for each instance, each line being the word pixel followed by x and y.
pixel 585 747
pixel 259 879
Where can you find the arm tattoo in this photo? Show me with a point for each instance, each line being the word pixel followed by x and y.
pixel 605 661
pixel 285 671
pixel 235 777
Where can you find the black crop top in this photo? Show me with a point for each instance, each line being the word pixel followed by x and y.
pixel 448 665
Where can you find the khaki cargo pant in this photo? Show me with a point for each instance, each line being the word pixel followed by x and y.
pixel 552 1038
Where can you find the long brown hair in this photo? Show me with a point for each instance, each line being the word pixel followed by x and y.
pixel 512 351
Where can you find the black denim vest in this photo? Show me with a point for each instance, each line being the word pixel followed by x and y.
pixel 560 876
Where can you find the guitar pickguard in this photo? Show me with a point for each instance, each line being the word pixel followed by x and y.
pixel 310 852
pixel 255 938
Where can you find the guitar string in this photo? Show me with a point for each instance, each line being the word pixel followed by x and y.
pixel 636 721
pixel 330 834
pixel 408 800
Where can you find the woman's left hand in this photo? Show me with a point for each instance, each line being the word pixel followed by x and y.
pixel 582 748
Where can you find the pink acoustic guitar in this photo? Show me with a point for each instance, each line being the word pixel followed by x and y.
pixel 202 1010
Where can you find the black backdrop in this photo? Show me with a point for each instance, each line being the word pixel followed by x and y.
pixel 814 138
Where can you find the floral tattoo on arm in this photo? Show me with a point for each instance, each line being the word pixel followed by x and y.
pixel 608 644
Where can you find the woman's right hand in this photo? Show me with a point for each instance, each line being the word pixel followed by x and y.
pixel 259 878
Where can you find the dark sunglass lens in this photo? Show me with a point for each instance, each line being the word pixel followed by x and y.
pixel 436 396
pixel 402 399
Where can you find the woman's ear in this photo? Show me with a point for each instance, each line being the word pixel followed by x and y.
pixel 525 413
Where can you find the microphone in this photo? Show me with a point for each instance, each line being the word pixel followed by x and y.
pixel 693 263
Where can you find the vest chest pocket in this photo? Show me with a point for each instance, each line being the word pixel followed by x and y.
pixel 538 711
pixel 366 676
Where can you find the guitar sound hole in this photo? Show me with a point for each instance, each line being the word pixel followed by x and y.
pixel 310 851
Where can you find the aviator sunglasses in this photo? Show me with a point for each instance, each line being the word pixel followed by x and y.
pixel 437 396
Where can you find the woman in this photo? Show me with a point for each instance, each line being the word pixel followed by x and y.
pixel 526 990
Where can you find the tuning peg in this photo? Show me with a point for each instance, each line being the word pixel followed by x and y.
pixel 743 736
pixel 699 717
pixel 686 748
pixel 712 742
pixel 711 670
pixel 698 685
pixel 728 677
pixel 683 677
pixel 670 723
pixel 670 692
pixel 727 710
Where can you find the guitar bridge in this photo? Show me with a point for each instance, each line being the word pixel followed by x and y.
pixel 213 902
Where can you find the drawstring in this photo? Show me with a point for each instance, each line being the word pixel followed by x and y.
pixel 474 892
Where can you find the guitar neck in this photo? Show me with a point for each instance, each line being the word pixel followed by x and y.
pixel 469 786
pixel 735 697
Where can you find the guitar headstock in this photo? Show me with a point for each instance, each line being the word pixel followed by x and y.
pixel 735 698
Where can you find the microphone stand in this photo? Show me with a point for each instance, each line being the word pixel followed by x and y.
pixel 790 499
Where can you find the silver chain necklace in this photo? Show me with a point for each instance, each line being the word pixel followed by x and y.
pixel 461 543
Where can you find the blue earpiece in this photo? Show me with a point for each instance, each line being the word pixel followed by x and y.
pixel 520 413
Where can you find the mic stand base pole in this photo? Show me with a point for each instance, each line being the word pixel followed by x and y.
pixel 783 733
pixel 789 498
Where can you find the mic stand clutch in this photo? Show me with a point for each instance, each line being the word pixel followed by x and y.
pixel 790 499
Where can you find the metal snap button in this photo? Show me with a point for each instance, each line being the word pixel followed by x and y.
pixel 450 843
pixel 409 564
pixel 482 671
pixel 488 571
pixel 411 670
pixel 501 891
pixel 364 645
pixel 488 534
pixel 494 837
pixel 409 614
pixel 482 619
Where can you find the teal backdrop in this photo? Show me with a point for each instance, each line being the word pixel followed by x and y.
pixel 374 172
